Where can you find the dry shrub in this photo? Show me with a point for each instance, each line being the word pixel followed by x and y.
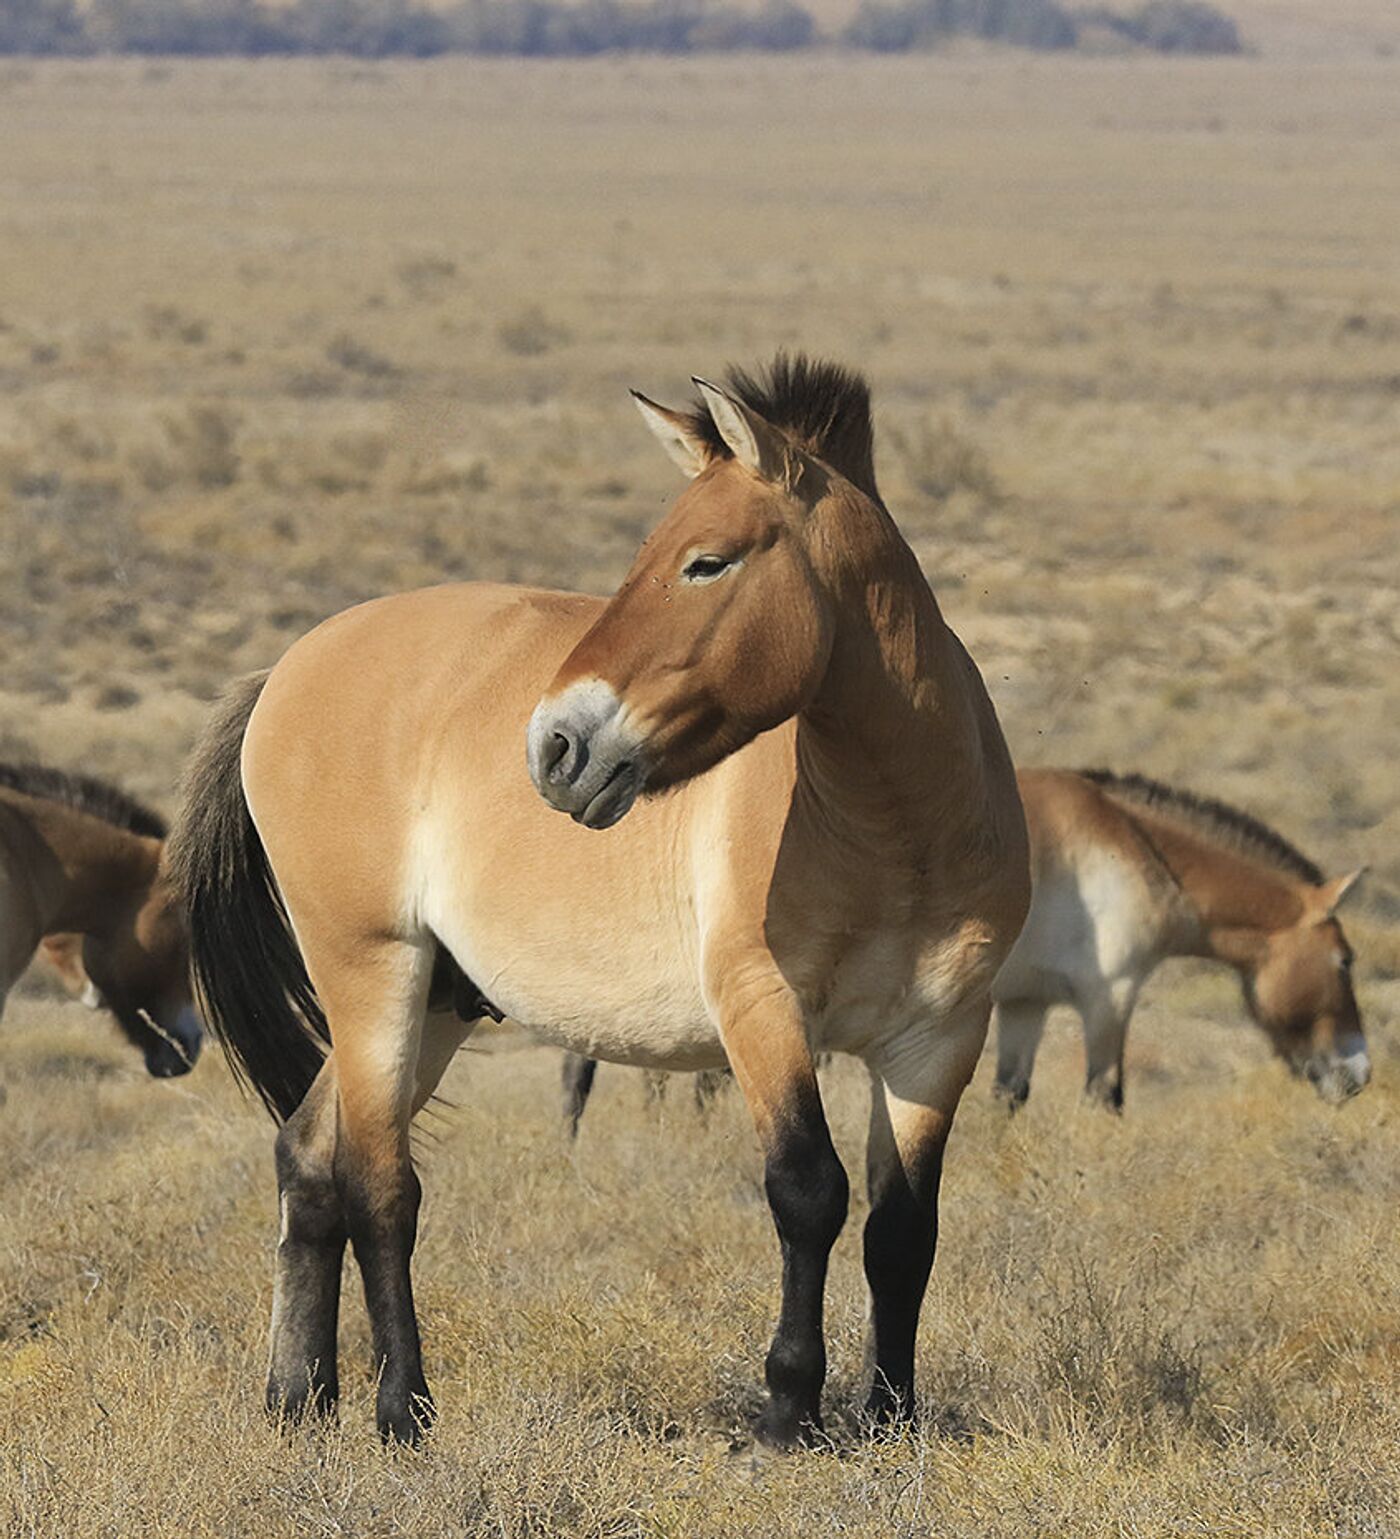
pixel 200 449
pixel 531 333
pixel 939 459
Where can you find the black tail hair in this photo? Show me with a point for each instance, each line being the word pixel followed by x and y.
pixel 250 977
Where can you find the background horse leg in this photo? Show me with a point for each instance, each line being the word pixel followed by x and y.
pixel 302 1372
pixel 708 1084
pixel 577 1078
pixel 1106 1019
pixel 807 1193
pixel 1020 1023
pixel 915 1088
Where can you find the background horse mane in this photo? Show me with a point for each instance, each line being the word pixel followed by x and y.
pixel 84 793
pixel 821 406
pixel 1228 824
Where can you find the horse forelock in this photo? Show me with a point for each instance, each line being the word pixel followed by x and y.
pixel 822 406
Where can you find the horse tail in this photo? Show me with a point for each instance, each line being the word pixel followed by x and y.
pixel 250 977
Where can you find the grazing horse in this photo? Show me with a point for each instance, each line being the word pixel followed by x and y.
pixel 849 874
pixel 1127 872
pixel 82 884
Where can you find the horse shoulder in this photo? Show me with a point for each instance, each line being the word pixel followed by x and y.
pixel 1095 910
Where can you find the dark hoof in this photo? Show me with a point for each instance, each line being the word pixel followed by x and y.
pixel 785 1432
pixel 407 1424
pixel 1015 1095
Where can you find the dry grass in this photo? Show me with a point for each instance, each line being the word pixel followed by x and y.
pixel 276 338
pixel 1184 1322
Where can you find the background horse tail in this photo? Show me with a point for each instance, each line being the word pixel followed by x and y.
pixel 252 982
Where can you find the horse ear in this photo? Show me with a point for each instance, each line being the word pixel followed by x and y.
pixel 755 443
pixel 1331 895
pixel 675 434
pixel 63 953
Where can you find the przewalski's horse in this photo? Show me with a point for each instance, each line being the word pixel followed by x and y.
pixel 1127 872
pixel 79 858
pixel 852 879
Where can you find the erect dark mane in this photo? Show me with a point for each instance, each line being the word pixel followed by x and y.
pixel 821 406
pixel 1228 824
pixel 84 793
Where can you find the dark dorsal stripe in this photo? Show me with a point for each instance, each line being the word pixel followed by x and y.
pixel 84 793
pixel 821 406
pixel 1225 823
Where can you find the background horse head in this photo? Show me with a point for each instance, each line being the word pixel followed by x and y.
pixel 84 867
pixel 1298 988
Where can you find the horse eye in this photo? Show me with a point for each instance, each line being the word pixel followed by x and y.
pixel 706 568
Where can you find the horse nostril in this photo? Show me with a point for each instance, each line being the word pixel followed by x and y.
pixel 564 757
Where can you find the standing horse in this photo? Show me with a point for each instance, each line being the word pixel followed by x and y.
pixel 850 880
pixel 1127 872
pixel 79 858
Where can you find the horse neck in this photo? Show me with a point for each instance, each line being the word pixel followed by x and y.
pixel 1236 901
pixel 86 870
pixel 897 733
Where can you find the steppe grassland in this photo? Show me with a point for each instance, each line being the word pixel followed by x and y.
pixel 279 337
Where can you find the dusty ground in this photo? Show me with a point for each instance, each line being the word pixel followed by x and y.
pixel 276 338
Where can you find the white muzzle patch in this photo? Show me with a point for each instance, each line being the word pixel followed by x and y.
pixel 583 754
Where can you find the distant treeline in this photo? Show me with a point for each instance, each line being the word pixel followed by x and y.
pixel 563 29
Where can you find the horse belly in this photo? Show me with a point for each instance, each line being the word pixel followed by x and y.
pixel 624 992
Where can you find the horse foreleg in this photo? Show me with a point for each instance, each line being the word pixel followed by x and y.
pixel 807 1193
pixel 916 1084
pixel 1020 1023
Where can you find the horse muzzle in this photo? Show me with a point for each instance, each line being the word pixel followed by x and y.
pixel 1338 1076
pixel 584 757
pixel 178 1048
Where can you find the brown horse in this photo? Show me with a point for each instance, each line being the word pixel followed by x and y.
pixel 1127 872
pixel 851 880
pixel 82 883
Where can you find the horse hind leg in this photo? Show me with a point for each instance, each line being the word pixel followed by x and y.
pixel 375 996
pixel 302 1372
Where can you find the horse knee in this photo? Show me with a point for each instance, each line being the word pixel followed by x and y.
pixel 807 1191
